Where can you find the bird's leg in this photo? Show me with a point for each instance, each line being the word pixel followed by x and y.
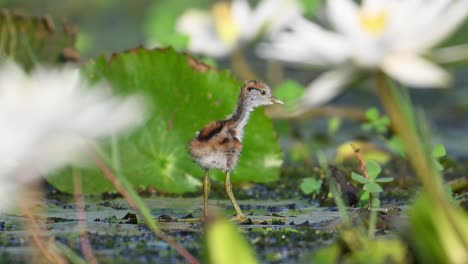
pixel 206 193
pixel 227 185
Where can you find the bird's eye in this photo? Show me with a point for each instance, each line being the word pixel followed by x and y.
pixel 263 92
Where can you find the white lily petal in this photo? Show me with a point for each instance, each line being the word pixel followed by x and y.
pixel 50 115
pixel 198 25
pixel 445 22
pixel 327 86
pixel 343 15
pixel 399 14
pixel 307 44
pixel 242 14
pixel 374 5
pixel 273 15
pixel 288 12
pixel 415 71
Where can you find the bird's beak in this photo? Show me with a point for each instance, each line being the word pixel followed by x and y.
pixel 276 100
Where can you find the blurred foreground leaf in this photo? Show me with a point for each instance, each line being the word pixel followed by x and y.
pixel 226 245
pixel 432 235
pixel 355 247
pixel 185 94
pixel 30 40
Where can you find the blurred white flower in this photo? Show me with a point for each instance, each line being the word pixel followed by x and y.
pixel 48 117
pixel 230 25
pixel 8 191
pixel 388 35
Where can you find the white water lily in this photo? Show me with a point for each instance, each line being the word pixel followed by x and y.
pixel 393 36
pixel 229 26
pixel 49 117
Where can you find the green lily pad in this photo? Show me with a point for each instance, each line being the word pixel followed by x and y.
pixel 186 94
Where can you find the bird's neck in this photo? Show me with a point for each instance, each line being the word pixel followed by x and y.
pixel 240 117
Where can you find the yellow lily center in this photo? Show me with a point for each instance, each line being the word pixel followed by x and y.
pixel 374 23
pixel 226 28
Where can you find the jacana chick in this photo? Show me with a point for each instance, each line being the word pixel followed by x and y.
pixel 219 144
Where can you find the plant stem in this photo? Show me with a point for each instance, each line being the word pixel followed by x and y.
pixel 35 230
pixel 70 254
pixel 81 217
pixel 372 211
pixel 241 67
pixel 404 124
pixel 362 162
pixel 372 218
pixel 127 191
pixel 338 200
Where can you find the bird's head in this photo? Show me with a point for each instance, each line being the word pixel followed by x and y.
pixel 257 93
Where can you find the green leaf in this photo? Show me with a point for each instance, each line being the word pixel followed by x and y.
pixel 226 245
pixel 381 125
pixel 373 169
pixel 359 178
pixel 367 126
pixel 386 179
pixel 385 121
pixel 290 92
pixel 373 187
pixel 333 125
pixel 364 197
pixel 372 114
pixel 439 151
pixel 438 166
pixel 381 129
pixel 310 185
pixel 327 254
pixel 186 95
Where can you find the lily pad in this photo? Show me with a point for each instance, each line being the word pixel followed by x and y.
pixel 186 94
